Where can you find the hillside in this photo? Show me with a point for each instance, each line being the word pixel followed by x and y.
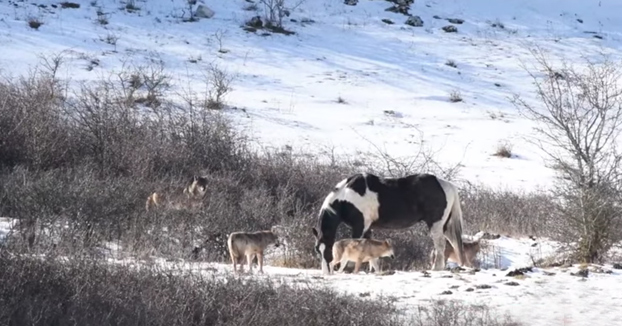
pixel 393 79
pixel 345 81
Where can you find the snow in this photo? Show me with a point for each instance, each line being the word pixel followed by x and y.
pixel 6 226
pixel 545 296
pixel 395 84
pixel 289 85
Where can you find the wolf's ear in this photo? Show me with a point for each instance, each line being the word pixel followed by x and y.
pixel 387 241
pixel 314 232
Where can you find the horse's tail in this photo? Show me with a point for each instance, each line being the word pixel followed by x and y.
pixel 454 225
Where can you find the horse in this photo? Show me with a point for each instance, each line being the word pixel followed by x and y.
pixel 365 201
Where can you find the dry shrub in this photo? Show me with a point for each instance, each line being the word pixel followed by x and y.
pixel 86 292
pixel 507 212
pixel 456 313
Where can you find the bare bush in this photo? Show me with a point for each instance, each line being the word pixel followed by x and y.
pixel 34 23
pixel 456 313
pixel 218 85
pixel 422 160
pixel 276 10
pixel 34 292
pixel 578 130
pixel 32 122
pixel 455 96
pixel 508 212
pixel 504 149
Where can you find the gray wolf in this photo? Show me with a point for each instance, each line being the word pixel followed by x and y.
pixel 360 251
pixel 471 248
pixel 249 244
pixel 190 198
pixel 365 201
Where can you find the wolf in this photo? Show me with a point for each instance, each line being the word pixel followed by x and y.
pixel 471 248
pixel 360 251
pixel 250 244
pixel 190 198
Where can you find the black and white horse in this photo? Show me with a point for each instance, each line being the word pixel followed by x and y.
pixel 366 201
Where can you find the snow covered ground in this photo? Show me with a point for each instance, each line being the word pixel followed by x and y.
pixel 393 77
pixel 544 296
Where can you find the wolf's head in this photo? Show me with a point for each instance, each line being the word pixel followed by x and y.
pixel 387 249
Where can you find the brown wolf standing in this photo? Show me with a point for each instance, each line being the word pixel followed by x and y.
pixel 250 244
pixel 190 198
pixel 471 248
pixel 360 251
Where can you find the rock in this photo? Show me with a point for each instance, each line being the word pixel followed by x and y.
pixel 446 292
pixel 453 287
pixel 617 266
pixel 351 2
pixel 580 20
pixel 450 29
pixel 436 17
pixel 490 236
pixel 456 269
pixel 455 20
pixel 581 273
pixel 470 289
pixel 388 21
pixel 483 286
pixel 203 12
pixel 512 283
pixel 387 272
pixel 519 271
pixel 255 22
pixel 414 21
pixel 399 9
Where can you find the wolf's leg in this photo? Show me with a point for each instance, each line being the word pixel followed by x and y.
pixel 357 266
pixel 374 263
pixel 234 260
pixel 342 265
pixel 260 261
pixel 249 259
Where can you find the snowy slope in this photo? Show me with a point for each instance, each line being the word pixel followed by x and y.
pixel 289 85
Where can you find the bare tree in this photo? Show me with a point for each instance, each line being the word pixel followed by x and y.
pixel 218 85
pixel 578 130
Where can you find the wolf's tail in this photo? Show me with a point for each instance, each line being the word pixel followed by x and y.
pixel 151 200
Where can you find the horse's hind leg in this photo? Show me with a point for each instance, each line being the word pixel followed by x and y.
pixel 438 237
